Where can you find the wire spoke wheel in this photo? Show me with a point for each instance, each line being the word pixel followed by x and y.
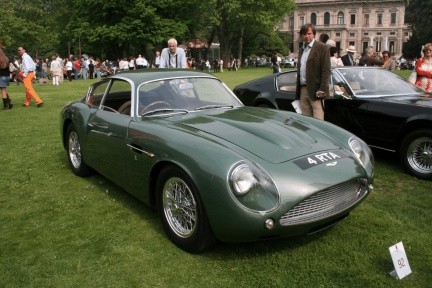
pixel 182 212
pixel 74 150
pixel 179 207
pixel 419 155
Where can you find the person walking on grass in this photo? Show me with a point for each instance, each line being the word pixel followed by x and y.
pixel 4 79
pixel 28 75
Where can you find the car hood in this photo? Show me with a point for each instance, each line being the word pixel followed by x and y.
pixel 274 136
pixel 425 100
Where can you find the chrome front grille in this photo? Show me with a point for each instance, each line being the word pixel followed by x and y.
pixel 326 203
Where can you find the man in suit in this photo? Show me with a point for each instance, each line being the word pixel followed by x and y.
pixel 348 59
pixel 369 58
pixel 313 73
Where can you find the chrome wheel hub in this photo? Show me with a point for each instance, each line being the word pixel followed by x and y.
pixel 74 150
pixel 179 207
pixel 419 155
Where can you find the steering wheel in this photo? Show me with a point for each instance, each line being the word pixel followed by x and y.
pixel 161 104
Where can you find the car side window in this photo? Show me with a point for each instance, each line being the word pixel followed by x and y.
pixel 96 92
pixel 286 82
pixel 336 86
pixel 118 93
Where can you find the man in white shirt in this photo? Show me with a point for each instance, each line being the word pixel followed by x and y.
pixel 141 62
pixel 28 74
pixel 173 56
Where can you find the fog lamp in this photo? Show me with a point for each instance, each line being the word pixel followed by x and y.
pixel 269 224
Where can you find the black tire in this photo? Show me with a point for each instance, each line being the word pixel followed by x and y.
pixel 416 153
pixel 176 195
pixel 73 150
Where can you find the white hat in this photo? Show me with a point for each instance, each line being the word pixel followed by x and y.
pixel 351 48
pixel 331 43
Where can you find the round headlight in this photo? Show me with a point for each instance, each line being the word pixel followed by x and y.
pixel 252 187
pixel 362 151
pixel 243 179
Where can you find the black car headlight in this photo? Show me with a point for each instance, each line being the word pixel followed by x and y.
pixel 362 152
pixel 253 187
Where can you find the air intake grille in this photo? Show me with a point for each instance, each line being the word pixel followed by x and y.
pixel 326 203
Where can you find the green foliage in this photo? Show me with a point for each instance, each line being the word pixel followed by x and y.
pixel 59 230
pixel 418 15
pixel 110 29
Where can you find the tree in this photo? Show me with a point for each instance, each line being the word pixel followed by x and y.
pixel 232 19
pixel 31 24
pixel 124 27
pixel 417 14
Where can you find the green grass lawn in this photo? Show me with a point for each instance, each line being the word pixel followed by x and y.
pixel 59 230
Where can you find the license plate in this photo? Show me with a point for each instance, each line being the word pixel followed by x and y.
pixel 329 157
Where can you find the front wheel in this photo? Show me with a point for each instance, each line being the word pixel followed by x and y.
pixel 182 213
pixel 76 161
pixel 416 153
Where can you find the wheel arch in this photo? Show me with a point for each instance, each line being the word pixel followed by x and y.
pixel 154 174
pixel 413 124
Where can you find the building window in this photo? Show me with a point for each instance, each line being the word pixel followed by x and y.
pixel 365 45
pixel 366 19
pixel 326 19
pixel 353 18
pixel 352 34
pixel 340 18
pixel 379 19
pixel 313 18
pixel 392 47
pixel 291 22
pixel 378 33
pixel 393 18
pixel 302 21
pixel 392 33
pixel 351 43
pixel 378 46
pixel 365 34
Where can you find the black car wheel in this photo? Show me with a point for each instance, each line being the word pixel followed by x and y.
pixel 182 213
pixel 416 153
pixel 76 161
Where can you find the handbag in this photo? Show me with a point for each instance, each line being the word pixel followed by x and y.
pixel 413 77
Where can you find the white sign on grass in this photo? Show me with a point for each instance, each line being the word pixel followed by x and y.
pixel 400 261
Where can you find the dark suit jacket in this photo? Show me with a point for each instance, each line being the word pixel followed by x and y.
pixel 317 70
pixel 369 61
pixel 346 61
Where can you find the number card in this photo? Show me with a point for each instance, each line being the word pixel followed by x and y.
pixel 400 261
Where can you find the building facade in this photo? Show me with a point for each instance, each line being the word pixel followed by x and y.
pixel 361 23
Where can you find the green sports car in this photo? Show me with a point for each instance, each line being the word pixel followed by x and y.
pixel 180 141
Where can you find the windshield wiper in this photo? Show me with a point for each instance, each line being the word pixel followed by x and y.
pixel 214 107
pixel 165 111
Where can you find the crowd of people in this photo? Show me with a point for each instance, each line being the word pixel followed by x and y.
pixel 25 70
pixel 318 56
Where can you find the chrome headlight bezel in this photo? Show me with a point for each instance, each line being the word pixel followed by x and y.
pixel 253 187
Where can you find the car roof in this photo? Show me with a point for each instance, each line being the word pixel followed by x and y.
pixel 140 76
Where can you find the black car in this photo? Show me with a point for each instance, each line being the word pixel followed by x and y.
pixel 375 104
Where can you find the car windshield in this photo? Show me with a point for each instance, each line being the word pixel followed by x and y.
pixel 376 82
pixel 184 94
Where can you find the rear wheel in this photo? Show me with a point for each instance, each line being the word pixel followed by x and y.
pixel 76 161
pixel 416 153
pixel 182 213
